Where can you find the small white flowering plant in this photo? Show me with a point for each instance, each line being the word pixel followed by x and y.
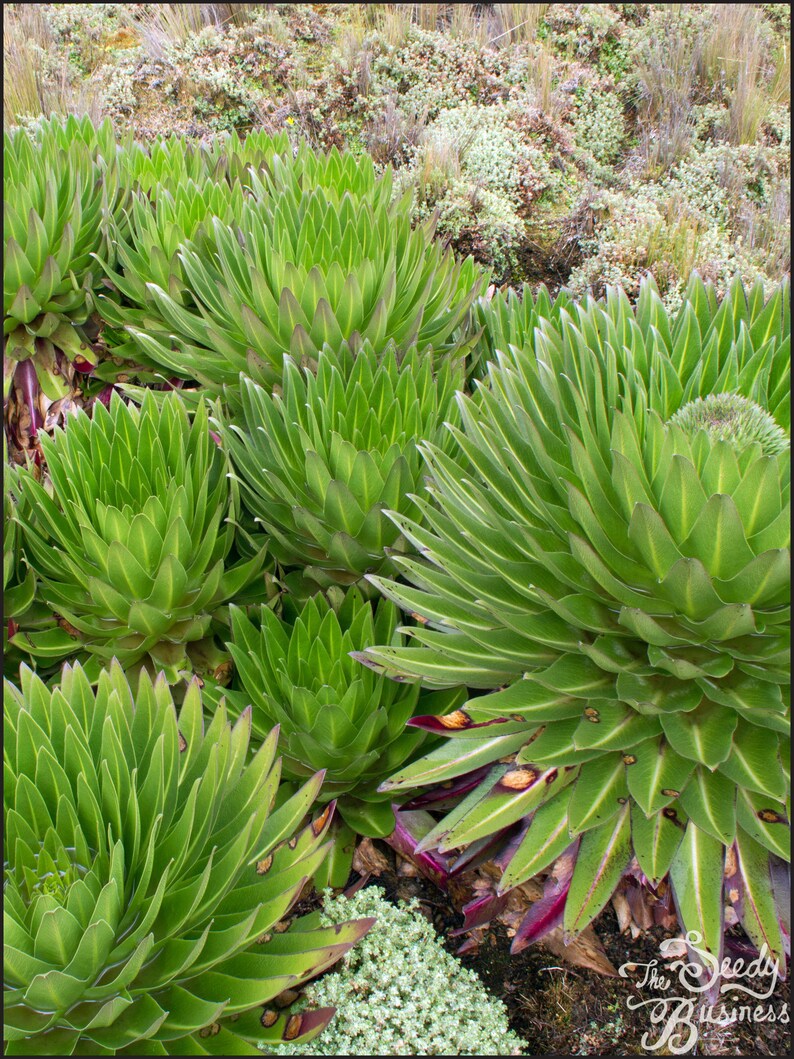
pixel 399 992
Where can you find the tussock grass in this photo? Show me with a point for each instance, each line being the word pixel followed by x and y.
pixel 734 53
pixel 392 135
pixel 170 24
pixel 517 23
pixel 35 81
pixel 667 74
pixel 730 55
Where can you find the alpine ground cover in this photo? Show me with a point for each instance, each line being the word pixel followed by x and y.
pixel 615 113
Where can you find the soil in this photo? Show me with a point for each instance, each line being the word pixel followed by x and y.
pixel 563 1010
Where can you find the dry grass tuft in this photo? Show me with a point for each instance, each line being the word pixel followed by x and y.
pixel 36 80
pixel 734 54
pixel 517 23
pixel 667 73
pixel 391 136
pixel 171 24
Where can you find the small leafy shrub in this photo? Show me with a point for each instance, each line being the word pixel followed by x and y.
pixel 480 175
pixel 430 72
pixel 133 541
pixel 600 125
pixel 676 227
pixel 492 155
pixel 318 462
pixel 144 868
pixel 582 32
pixel 399 992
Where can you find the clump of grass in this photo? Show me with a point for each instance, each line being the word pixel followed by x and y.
pixel 439 161
pixel 517 23
pixel 37 80
pixel 540 74
pixel 165 25
pixel 730 39
pixel 733 53
pixel 394 23
pixel 667 72
pixel 391 136
pixel 766 232
pixel 780 85
pixel 427 16
pixel 467 23
pixel 673 244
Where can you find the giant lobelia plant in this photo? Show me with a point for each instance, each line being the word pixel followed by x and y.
pixel 613 573
pixel 145 872
pixel 61 190
pixel 318 462
pixel 296 671
pixel 740 344
pixel 306 267
pixel 183 194
pixel 168 161
pixel 132 537
pixel 146 251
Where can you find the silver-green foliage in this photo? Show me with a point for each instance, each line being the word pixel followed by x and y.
pixel 399 992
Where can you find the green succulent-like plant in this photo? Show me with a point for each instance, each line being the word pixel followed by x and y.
pixel 509 318
pixel 318 462
pixel 198 188
pixel 19 580
pixel 132 542
pixel 623 582
pixel 58 132
pixel 299 270
pixel 59 197
pixel 741 344
pixel 171 160
pixel 157 227
pixel 297 672
pixel 145 867
pixel 337 174
pixel 23 612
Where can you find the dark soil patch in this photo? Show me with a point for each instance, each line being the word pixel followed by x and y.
pixel 560 1010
